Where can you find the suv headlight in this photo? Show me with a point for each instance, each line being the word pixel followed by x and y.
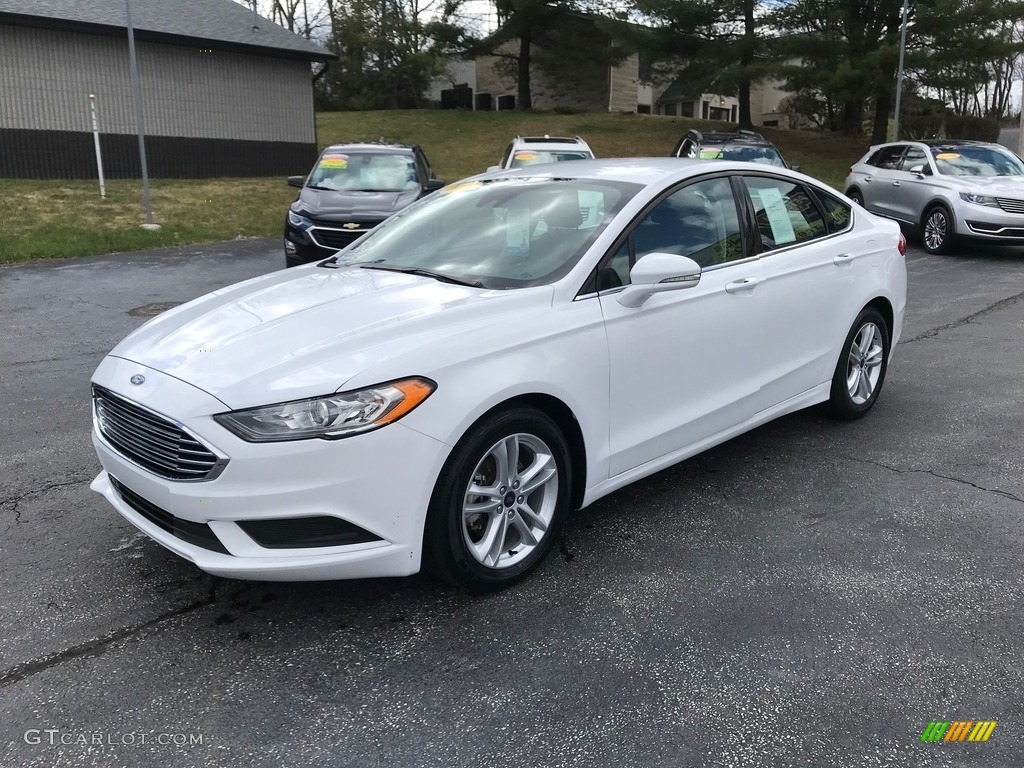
pixel 970 197
pixel 298 220
pixel 331 416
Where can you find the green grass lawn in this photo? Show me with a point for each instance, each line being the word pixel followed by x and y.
pixel 58 219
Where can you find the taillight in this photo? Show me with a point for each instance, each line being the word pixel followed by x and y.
pixel 901 246
pixel 849 170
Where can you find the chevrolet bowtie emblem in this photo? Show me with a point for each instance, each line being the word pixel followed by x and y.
pixel 350 225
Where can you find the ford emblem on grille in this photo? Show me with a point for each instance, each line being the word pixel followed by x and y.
pixel 137 379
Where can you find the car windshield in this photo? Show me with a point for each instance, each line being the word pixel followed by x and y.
pixel 365 171
pixel 971 160
pixel 743 154
pixel 524 157
pixel 496 233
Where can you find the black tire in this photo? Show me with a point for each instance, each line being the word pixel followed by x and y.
pixel 448 533
pixel 843 404
pixel 856 196
pixel 937 229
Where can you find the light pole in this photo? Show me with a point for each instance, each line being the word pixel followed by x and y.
pixel 899 75
pixel 139 122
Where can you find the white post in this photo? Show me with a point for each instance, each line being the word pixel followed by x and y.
pixel 96 142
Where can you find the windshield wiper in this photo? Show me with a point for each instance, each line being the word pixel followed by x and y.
pixel 318 186
pixel 423 273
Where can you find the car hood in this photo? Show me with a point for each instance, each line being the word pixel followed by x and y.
pixel 1011 186
pixel 323 203
pixel 307 331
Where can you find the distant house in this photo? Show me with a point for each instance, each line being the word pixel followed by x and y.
pixel 625 86
pixel 225 93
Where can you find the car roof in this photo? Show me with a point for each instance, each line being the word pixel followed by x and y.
pixel 371 146
pixel 550 142
pixel 638 170
pixel 728 137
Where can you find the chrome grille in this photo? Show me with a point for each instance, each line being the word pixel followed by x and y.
pixel 1011 205
pixel 152 441
pixel 335 238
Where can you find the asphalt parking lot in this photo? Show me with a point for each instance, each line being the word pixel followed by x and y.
pixel 809 594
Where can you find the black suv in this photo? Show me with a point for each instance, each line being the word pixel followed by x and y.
pixel 351 189
pixel 743 146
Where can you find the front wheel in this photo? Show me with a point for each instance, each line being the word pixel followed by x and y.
pixel 860 372
pixel 500 501
pixel 937 230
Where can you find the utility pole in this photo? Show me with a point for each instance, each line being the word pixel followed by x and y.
pixel 140 124
pixel 899 75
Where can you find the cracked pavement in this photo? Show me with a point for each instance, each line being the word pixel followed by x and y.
pixel 810 594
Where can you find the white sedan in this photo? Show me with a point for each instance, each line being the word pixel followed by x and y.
pixel 445 390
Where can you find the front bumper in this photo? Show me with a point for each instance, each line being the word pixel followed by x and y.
pixel 380 482
pixel 993 224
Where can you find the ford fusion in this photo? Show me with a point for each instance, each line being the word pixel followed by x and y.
pixel 444 391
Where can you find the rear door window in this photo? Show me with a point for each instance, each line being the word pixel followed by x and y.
pixel 786 213
pixel 887 157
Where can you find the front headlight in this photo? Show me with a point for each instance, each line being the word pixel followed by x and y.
pixel 970 197
pixel 331 416
pixel 298 220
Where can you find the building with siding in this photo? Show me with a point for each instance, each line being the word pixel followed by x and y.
pixel 225 93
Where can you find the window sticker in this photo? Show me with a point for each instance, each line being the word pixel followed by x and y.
pixel 591 208
pixel 778 215
pixel 453 189
pixel 525 154
pixel 517 232
pixel 334 161
pixel 948 156
pixel 711 154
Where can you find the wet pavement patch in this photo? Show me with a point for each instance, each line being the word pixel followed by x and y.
pixel 154 309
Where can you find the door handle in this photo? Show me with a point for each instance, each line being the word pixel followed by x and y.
pixel 843 259
pixel 746 284
pixel 867 178
pixel 895 183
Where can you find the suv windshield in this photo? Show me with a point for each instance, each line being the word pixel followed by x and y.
pixel 972 160
pixel 524 157
pixel 744 154
pixel 496 233
pixel 365 171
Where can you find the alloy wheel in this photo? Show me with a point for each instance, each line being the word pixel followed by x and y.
pixel 936 230
pixel 510 501
pixel 864 365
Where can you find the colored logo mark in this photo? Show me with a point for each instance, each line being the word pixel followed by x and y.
pixel 958 730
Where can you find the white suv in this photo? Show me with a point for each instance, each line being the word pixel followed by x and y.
pixel 536 150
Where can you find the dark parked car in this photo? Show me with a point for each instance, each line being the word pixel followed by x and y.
pixel 742 146
pixel 352 189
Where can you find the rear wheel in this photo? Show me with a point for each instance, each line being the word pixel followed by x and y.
pixel 860 372
pixel 500 501
pixel 937 229
pixel 856 196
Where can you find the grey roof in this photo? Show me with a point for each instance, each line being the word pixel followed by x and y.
pixel 219 21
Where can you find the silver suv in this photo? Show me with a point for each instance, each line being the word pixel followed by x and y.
pixel 535 150
pixel 946 189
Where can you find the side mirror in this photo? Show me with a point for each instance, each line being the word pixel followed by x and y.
pixel 795 168
pixel 917 170
pixel 433 185
pixel 296 181
pixel 493 168
pixel 657 273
